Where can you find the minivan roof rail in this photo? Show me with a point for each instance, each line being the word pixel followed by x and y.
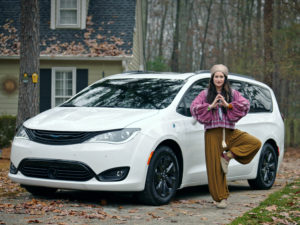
pixel 242 75
pixel 202 71
pixel 235 74
pixel 138 71
pixel 145 71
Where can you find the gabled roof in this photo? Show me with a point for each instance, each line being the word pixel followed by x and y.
pixel 109 30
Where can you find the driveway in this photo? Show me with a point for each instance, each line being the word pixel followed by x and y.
pixel 190 206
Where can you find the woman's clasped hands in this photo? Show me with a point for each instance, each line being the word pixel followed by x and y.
pixel 219 100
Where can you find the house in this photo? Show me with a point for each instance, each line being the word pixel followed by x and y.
pixel 81 41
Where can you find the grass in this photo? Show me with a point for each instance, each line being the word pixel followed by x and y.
pixel 281 207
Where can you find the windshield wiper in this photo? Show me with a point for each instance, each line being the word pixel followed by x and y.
pixel 68 104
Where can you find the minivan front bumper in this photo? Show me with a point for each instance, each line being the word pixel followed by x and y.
pixel 98 157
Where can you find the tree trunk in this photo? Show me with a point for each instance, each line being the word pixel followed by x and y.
pixel 184 34
pixel 277 79
pixel 249 52
pixel 144 24
pixel 258 29
pixel 229 39
pixel 174 58
pixel 258 42
pixel 268 42
pixel 205 35
pixel 220 33
pixel 237 33
pixel 28 105
pixel 162 30
pixel 243 34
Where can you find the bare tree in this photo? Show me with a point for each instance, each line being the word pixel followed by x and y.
pixel 162 29
pixel 209 7
pixel 28 104
pixel 268 42
pixel 144 24
pixel 174 58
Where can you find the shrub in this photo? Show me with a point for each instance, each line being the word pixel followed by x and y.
pixel 7 130
pixel 158 64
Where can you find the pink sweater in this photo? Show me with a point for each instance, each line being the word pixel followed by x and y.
pixel 211 118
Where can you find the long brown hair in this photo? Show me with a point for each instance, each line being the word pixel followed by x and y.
pixel 212 91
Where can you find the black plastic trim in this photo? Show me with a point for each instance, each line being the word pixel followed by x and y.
pixel 56 169
pixel 61 137
pixel 104 177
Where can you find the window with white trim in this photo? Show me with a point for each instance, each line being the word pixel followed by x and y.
pixel 63 84
pixel 68 14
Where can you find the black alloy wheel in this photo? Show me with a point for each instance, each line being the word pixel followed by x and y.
pixel 162 177
pixel 267 168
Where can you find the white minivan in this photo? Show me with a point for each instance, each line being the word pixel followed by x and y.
pixel 134 132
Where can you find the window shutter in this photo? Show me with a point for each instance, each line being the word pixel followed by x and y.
pixel 81 79
pixel 45 89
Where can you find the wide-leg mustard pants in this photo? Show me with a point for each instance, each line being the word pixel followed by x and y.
pixel 243 145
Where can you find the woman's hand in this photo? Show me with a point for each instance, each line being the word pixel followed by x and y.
pixel 219 100
pixel 222 101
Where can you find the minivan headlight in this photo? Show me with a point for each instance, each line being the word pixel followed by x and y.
pixel 116 136
pixel 21 133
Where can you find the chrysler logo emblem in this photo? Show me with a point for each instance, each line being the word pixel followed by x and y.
pixel 52 173
pixel 54 136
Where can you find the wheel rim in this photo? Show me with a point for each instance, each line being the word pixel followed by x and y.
pixel 268 170
pixel 165 176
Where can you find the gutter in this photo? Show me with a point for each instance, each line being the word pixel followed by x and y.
pixel 81 58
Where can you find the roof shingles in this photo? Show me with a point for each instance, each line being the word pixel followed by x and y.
pixel 109 30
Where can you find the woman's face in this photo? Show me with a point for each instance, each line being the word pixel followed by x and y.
pixel 219 79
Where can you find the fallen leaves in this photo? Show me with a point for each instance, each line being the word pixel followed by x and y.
pixel 7 187
pixel 271 208
pixel 89 42
pixel 9 40
pixel 33 221
pixel 133 211
pixel 153 215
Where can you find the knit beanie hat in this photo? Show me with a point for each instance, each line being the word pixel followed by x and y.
pixel 219 68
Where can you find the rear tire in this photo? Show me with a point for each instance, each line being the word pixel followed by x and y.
pixel 40 191
pixel 162 177
pixel 267 168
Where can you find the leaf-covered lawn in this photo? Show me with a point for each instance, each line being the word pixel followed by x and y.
pixel 281 207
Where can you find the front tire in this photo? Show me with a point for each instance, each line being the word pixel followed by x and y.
pixel 162 177
pixel 267 168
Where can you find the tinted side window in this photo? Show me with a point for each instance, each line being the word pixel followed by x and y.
pixel 237 85
pixel 259 97
pixel 186 101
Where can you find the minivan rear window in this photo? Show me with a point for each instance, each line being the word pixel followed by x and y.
pixel 259 97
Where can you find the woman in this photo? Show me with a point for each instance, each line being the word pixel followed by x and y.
pixel 219 107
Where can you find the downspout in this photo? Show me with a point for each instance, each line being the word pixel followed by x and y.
pixel 125 65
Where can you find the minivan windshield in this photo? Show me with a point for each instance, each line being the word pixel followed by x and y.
pixel 139 93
